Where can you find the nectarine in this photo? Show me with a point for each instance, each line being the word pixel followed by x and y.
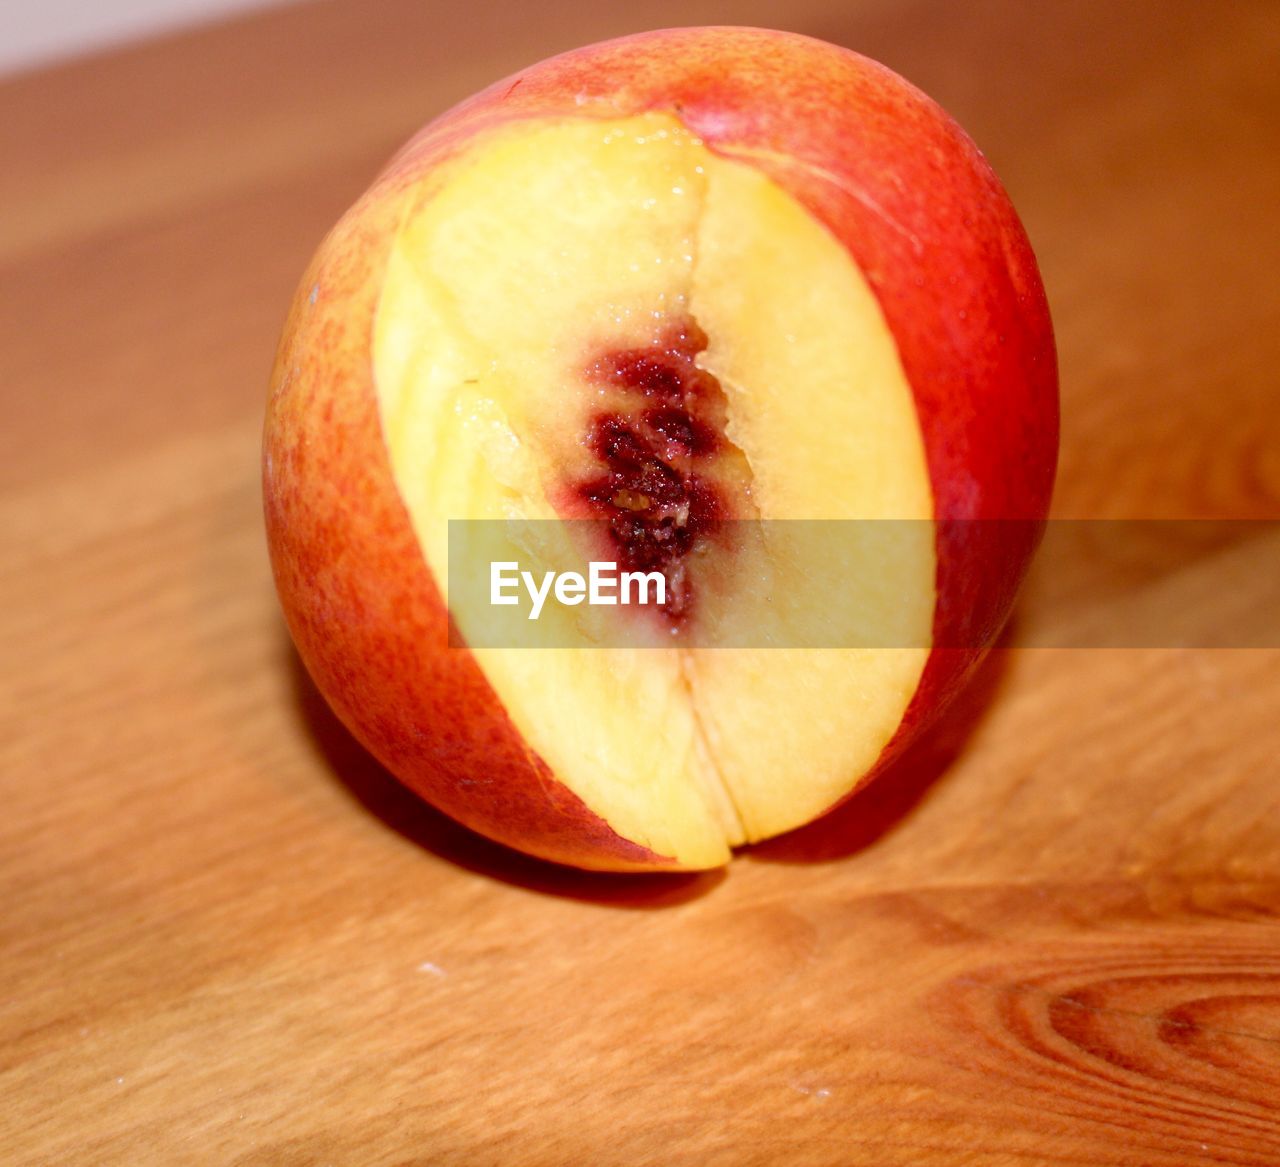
pixel 665 283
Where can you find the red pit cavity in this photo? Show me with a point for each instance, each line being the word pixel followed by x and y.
pixel 652 487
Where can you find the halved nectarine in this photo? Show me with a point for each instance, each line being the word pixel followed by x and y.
pixel 668 283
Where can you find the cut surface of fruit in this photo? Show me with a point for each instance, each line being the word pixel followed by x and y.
pixel 605 319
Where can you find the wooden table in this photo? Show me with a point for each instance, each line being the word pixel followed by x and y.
pixel 230 938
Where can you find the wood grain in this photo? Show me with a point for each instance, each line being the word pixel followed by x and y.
pixel 1053 936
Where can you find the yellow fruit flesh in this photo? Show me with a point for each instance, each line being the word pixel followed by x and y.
pixel 546 240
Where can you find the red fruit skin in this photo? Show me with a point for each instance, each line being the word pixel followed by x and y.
pixel 912 200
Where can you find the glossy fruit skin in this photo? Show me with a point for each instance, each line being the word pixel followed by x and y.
pixel 912 200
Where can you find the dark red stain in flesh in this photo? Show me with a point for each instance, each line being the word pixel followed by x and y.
pixel 654 453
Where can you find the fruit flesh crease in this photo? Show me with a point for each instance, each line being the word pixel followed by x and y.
pixel 534 275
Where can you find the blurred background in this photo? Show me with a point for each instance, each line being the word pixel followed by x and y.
pixel 36 34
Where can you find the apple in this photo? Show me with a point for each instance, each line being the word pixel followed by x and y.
pixel 665 282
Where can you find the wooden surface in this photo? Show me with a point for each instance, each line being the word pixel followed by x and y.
pixel 229 938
